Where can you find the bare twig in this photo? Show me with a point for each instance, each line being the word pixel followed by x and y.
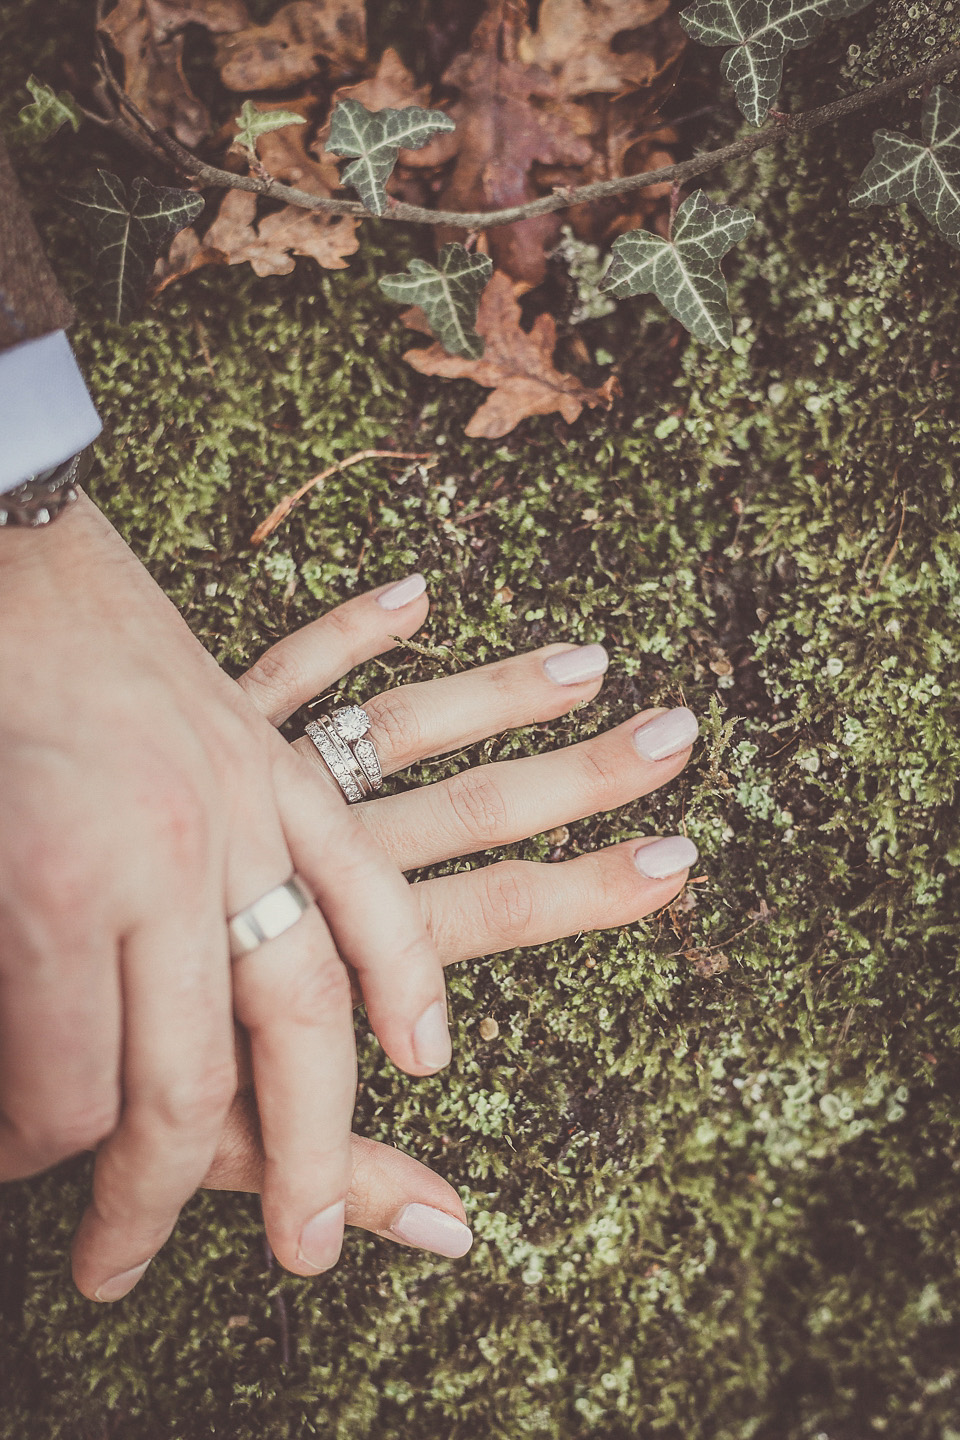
pixel 892 552
pixel 173 153
pixel 283 508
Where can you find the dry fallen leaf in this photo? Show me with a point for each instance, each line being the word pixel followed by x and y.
pixel 708 963
pixel 504 129
pixel 517 365
pixel 391 86
pixel 186 254
pixel 293 45
pixel 147 34
pixel 567 104
pixel 271 244
pixel 574 43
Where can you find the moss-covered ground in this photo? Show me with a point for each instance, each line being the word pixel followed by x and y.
pixel 712 1161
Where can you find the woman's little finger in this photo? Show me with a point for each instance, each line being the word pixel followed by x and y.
pixel 391 1194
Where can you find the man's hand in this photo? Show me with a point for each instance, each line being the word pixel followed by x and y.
pixel 143 798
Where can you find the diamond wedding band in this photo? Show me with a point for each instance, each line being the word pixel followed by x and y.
pixel 346 749
pixel 274 913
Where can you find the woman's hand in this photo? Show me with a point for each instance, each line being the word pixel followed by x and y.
pixel 493 907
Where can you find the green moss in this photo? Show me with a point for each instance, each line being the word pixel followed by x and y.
pixel 716 1207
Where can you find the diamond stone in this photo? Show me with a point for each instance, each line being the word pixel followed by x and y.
pixel 335 762
pixel 367 755
pixel 351 722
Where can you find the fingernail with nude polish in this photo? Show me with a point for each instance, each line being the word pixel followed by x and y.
pixel 431 1229
pixel 573 667
pixel 402 593
pixel 667 735
pixel 665 857
pixel 431 1038
pixel 119 1285
pixel 321 1239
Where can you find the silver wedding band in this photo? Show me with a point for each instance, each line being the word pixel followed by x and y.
pixel 344 745
pixel 273 914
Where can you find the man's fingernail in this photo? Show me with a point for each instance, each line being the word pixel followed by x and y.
pixel 402 593
pixel 665 857
pixel 321 1239
pixel 434 1230
pixel 431 1037
pixel 667 735
pixel 573 667
pixel 119 1286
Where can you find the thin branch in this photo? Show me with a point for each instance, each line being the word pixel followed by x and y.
pixel 282 509
pixel 783 129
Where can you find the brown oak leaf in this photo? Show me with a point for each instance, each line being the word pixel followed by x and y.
pixel 517 365
pixel 574 43
pixel 614 61
pixel 147 34
pixel 292 46
pixel 504 130
pixel 271 243
pixel 186 254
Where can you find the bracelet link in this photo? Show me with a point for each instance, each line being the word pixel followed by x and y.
pixel 39 500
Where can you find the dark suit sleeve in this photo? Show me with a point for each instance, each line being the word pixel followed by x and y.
pixel 46 414
pixel 31 301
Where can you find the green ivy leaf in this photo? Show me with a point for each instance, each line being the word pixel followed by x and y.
pixel 47 113
pixel 761 32
pixel 252 123
pixel 448 296
pixel 127 235
pixel 927 175
pixel 376 136
pixel 684 272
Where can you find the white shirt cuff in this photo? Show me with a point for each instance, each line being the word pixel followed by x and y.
pixel 46 414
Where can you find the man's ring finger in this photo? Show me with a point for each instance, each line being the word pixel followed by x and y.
pixel 275 912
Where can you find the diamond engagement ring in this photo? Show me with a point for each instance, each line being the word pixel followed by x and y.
pixel 275 912
pixel 346 749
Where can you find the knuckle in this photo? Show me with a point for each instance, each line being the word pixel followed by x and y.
pixel 199 1102
pixel 277 674
pixel 599 775
pixel 318 992
pixel 57 882
pixel 616 892
pixel 74 1129
pixel 395 723
pixel 507 903
pixel 478 805
pixel 313 993
pixel 343 622
pixel 503 679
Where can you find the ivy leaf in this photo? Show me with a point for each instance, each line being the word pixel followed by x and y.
pixel 761 32
pixel 927 175
pixel 47 113
pixel 448 296
pixel 252 123
pixel 376 136
pixel 128 234
pixel 683 272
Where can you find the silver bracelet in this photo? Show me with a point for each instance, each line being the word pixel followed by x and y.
pixel 43 497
